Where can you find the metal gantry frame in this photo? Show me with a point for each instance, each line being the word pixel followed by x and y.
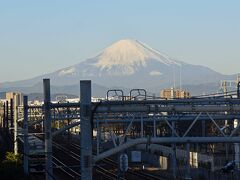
pixel 211 111
pixel 133 122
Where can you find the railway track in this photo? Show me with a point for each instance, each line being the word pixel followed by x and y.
pixel 142 175
pixel 76 158
pixel 66 169
pixel 71 165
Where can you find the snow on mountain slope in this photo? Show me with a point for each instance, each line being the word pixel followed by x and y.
pixel 132 64
pixel 67 71
pixel 126 56
pixel 122 58
pixel 129 53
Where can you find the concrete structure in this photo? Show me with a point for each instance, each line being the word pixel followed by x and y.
pixel 11 95
pixel 174 93
pixel 142 120
pixel 25 137
pixel 48 129
pixel 86 130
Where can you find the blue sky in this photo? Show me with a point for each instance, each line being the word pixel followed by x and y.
pixel 41 36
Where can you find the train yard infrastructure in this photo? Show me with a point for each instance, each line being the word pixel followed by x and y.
pixel 116 126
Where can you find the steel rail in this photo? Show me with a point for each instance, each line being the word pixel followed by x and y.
pixel 130 171
pixel 62 166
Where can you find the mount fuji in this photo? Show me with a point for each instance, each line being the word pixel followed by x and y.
pixel 129 64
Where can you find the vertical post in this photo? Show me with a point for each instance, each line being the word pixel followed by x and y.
pixel 69 135
pixel 174 158
pixel 237 145
pixel 1 120
pixel 141 126
pixel 7 117
pixel 48 129
pixel 225 90
pixel 203 128
pixel 11 112
pixel 98 137
pixel 238 90
pixel 86 130
pixel 25 127
pixel 68 122
pixel 16 124
pixel 203 133
pixel 4 115
pixel 154 126
pixel 188 175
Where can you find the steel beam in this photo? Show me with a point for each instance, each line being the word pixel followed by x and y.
pixel 66 128
pixel 158 118
pixel 190 127
pixel 170 108
pixel 166 140
pixel 146 118
pixel 191 101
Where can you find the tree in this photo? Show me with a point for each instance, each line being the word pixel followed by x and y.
pixel 11 168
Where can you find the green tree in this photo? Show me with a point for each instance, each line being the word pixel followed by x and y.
pixel 11 167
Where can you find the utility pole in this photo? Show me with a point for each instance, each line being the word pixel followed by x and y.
pixel 25 127
pixel 86 130
pixel 4 115
pixel 48 129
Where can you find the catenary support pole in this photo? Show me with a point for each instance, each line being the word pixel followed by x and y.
pixel 237 145
pixel 11 113
pixel 25 127
pixel 141 126
pixel 98 137
pixel 15 125
pixel 7 117
pixel 86 130
pixel 48 129
pixel 154 126
pixel 174 160
pixel 4 115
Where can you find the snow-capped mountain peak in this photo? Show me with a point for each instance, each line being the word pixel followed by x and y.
pixel 122 58
pixel 129 53
pixel 131 64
